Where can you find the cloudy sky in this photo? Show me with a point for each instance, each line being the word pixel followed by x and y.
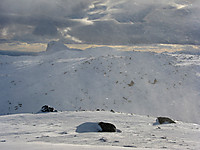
pixel 115 22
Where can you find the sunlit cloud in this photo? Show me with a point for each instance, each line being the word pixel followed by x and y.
pixel 121 22
pixel 24 47
pixel 84 21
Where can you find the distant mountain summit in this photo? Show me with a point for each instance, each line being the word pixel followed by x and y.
pixel 56 46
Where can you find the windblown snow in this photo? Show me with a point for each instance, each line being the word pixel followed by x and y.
pixel 142 83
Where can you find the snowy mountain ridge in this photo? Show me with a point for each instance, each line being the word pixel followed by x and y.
pixel 144 83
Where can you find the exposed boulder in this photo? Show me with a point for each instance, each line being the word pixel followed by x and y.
pixel 107 127
pixel 112 111
pixel 131 84
pixel 47 108
pixel 164 120
pixel 96 127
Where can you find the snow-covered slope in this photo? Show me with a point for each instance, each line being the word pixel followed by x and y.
pixel 60 130
pixel 135 82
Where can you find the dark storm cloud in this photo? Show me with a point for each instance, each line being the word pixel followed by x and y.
pixel 101 22
pixel 108 32
pixel 42 18
pixel 45 28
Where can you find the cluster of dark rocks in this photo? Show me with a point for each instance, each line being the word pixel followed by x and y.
pixel 108 127
pixel 47 108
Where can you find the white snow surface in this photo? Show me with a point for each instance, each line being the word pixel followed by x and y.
pixel 45 146
pixel 59 131
pixel 144 83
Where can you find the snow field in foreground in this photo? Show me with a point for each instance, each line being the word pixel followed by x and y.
pixel 47 146
pixel 60 128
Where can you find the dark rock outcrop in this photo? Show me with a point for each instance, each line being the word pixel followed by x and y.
pixel 96 127
pixel 112 111
pixel 164 120
pixel 47 108
pixel 107 127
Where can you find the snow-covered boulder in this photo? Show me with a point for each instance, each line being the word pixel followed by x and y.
pixel 96 127
pixel 88 127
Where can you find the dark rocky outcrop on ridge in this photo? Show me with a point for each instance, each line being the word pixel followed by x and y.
pixel 47 108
